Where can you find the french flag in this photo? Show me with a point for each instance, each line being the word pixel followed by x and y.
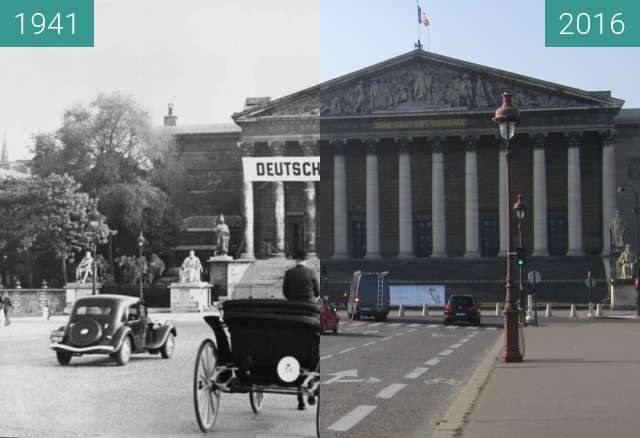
pixel 422 17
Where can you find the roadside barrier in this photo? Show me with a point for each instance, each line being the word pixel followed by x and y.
pixel 572 312
pixel 548 311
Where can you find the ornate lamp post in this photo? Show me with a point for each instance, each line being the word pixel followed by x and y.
pixel 94 222
pixel 141 241
pixel 621 189
pixel 507 116
pixel 520 211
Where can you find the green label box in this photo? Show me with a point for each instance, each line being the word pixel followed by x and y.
pixel 592 23
pixel 46 23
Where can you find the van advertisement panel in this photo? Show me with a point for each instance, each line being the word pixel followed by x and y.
pixel 417 295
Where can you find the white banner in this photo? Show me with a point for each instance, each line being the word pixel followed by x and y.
pixel 281 168
pixel 417 295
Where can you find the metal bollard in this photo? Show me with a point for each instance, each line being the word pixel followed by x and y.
pixel 548 311
pixel 530 318
pixel 590 313
pixel 425 310
pixel 498 309
pixel 598 310
pixel 572 311
pixel 401 310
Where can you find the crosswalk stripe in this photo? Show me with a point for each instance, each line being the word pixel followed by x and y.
pixel 386 338
pixel 370 331
pixel 456 345
pixel 445 352
pixel 433 325
pixel 433 361
pixel 369 343
pixel 352 418
pixel 491 328
pixel 391 390
pixel 415 325
pixel 376 324
pixel 471 327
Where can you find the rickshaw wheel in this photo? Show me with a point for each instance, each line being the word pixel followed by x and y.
pixel 257 400
pixel 206 395
pixel 318 406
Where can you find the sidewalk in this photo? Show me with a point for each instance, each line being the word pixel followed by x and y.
pixel 577 380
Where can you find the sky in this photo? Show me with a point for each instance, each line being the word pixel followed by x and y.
pixel 207 56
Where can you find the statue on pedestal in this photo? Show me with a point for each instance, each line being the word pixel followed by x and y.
pixel 617 230
pixel 624 265
pixel 191 269
pixel 84 268
pixel 222 237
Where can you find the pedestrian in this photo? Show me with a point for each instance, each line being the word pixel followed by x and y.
pixel 6 308
pixel 300 284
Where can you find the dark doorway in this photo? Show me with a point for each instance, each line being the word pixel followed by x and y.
pixel 490 232
pixel 424 238
pixel 359 238
pixel 557 236
pixel 295 235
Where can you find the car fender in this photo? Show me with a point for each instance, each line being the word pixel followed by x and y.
pixel 119 335
pixel 162 333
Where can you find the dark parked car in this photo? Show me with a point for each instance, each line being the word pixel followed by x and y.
pixel 329 318
pixel 463 308
pixel 116 325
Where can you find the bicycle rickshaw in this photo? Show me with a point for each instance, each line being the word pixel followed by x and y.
pixel 261 346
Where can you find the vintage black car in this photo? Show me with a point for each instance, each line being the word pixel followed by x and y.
pixel 116 325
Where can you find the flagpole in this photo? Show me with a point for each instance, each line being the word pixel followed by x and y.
pixel 419 30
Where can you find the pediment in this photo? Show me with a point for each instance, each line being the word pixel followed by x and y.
pixel 425 82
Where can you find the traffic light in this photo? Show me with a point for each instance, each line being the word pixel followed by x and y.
pixel 521 257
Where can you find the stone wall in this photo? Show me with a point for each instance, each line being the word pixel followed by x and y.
pixel 31 301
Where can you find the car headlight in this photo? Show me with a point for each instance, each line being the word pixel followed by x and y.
pixel 57 338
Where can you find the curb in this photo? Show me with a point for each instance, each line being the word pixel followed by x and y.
pixel 454 420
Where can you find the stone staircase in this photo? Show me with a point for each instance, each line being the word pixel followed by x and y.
pixel 263 278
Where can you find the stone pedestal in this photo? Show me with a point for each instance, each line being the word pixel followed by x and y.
pixel 190 297
pixel 225 273
pixel 78 290
pixel 623 294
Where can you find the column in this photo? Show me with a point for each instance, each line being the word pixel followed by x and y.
pixel 574 201
pixel 438 224
pixel 339 200
pixel 373 201
pixel 278 149
pixel 503 199
pixel 540 238
pixel 405 208
pixel 471 209
pixel 310 150
pixel 247 206
pixel 608 187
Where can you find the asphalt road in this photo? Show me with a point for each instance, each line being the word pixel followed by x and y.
pixel 150 396
pixel 396 379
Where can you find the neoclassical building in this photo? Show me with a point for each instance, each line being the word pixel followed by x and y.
pixel 413 174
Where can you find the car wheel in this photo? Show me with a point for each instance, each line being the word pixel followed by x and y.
pixel 64 357
pixel 169 346
pixel 123 355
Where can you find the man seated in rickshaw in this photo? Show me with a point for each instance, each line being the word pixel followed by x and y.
pixel 301 284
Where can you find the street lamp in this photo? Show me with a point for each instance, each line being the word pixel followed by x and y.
pixel 507 116
pixel 621 189
pixel 520 211
pixel 94 222
pixel 141 241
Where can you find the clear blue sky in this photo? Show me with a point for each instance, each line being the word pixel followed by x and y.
pixel 207 56
pixel 503 34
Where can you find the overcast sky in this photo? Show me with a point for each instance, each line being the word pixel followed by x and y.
pixel 207 56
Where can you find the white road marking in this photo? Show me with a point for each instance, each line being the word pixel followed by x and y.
pixel 415 325
pixel 370 331
pixel 456 345
pixel 472 327
pixel 491 328
pixel 452 327
pixel 395 324
pixel 391 390
pixel 433 325
pixel 346 350
pixel 400 334
pixel 437 380
pixel 445 352
pixel 464 341
pixel 411 330
pixel 369 343
pixel 355 324
pixel 328 356
pixel 432 362
pixel 387 338
pixel 376 324
pixel 416 373
pixel 352 418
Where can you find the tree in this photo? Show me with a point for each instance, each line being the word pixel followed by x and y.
pixel 47 216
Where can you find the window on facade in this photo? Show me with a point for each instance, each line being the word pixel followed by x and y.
pixel 424 238
pixel 490 235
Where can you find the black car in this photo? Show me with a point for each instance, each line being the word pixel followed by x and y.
pixel 116 325
pixel 464 308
